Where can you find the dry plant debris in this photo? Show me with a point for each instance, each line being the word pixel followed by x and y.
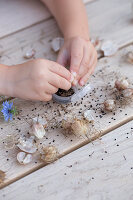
pixel 2 176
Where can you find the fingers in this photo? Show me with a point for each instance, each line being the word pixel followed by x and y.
pixel 84 79
pixel 76 55
pixel 63 57
pixel 51 89
pixel 59 82
pixel 61 71
pixel 85 63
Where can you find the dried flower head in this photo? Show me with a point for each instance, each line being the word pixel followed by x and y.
pixel 2 176
pixel 27 144
pixel 30 54
pixel 24 158
pixel 130 57
pixel 50 154
pixel 121 84
pixel 109 105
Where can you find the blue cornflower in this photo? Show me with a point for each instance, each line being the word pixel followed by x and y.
pixel 7 110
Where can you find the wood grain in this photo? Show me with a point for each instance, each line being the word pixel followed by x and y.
pixel 100 170
pixel 17 15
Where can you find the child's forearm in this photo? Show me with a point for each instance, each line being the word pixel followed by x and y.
pixel 71 17
pixel 3 78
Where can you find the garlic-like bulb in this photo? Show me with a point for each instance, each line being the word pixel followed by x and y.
pixel 27 144
pixel 50 154
pixel 130 57
pixel 57 43
pixel 30 54
pixel 24 158
pixel 109 48
pixel 109 105
pixel 121 84
pixel 37 130
pixel 127 93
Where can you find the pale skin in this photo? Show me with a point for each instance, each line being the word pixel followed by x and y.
pixel 39 79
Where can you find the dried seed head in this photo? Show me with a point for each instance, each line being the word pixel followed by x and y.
pixel 2 176
pixel 109 48
pixel 57 43
pixel 50 154
pixel 27 144
pixel 37 130
pixel 30 54
pixel 24 158
pixel 121 84
pixel 79 127
pixel 109 105
pixel 128 93
pixel 130 57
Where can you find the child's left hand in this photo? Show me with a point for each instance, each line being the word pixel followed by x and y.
pixel 81 56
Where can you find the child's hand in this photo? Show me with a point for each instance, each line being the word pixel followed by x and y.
pixel 37 79
pixel 81 55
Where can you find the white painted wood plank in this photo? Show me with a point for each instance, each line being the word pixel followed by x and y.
pixel 19 14
pixel 104 76
pixel 13 48
pixel 98 171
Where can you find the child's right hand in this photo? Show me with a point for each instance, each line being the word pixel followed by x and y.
pixel 37 79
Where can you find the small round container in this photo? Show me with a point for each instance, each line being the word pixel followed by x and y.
pixel 78 94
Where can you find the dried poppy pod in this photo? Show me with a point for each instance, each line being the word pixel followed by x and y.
pixel 109 105
pixel 49 154
pixel 24 158
pixel 121 84
pixel 130 57
pixel 128 93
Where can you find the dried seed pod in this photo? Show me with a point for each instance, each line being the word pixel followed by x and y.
pixel 109 48
pixel 2 176
pixel 37 130
pixel 57 43
pixel 30 54
pixel 88 115
pixel 127 93
pixel 24 158
pixel 50 154
pixel 27 144
pixel 121 84
pixel 109 105
pixel 79 127
pixel 130 57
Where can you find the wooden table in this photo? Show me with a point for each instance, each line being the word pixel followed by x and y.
pixel 89 168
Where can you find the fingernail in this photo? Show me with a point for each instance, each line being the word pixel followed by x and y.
pixel 74 73
pixel 75 82
pixel 82 82
pixel 72 78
